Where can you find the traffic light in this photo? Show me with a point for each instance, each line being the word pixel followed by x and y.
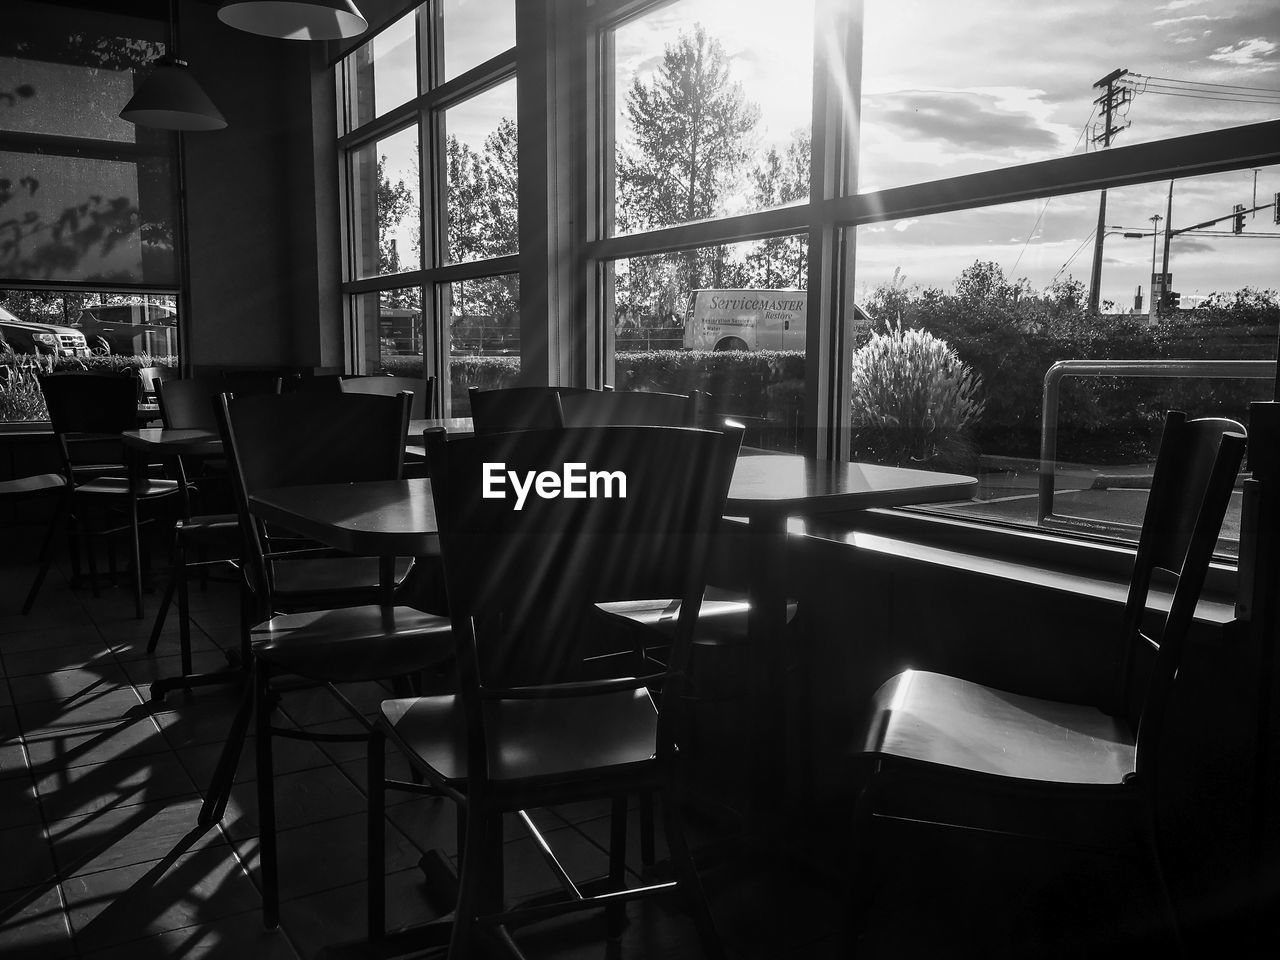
pixel 1237 222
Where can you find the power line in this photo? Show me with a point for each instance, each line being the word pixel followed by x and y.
pixel 1045 207
pixel 1205 83
pixel 1199 96
pixel 1083 243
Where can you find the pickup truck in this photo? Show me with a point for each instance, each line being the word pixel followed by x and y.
pixel 23 336
pixel 131 328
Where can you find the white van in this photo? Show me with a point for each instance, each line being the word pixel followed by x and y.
pixel 746 320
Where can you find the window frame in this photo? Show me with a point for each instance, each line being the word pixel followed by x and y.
pixel 427 110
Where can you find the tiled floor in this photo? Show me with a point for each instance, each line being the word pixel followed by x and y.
pixel 100 854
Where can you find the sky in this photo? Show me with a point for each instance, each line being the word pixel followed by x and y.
pixel 949 89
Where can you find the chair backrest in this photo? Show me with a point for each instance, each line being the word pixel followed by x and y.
pixel 423 391
pixel 298 439
pixel 88 412
pixel 641 508
pixel 148 377
pixel 317 383
pixel 518 408
pixel 251 383
pixel 188 404
pixel 90 403
pixel 598 408
pixel 1191 488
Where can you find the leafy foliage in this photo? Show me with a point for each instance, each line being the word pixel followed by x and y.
pixel 913 398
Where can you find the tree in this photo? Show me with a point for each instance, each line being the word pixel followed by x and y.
pixel 781 262
pixel 395 202
pixel 690 126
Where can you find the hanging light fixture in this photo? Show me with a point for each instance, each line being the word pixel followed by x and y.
pixel 170 98
pixel 295 19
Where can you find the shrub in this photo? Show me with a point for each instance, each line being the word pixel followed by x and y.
pixel 913 399
pixel 21 399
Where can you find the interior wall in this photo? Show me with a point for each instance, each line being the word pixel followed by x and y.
pixel 262 248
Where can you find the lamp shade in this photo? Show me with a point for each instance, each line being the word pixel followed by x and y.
pixel 295 19
pixel 170 99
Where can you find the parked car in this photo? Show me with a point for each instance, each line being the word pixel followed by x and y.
pixel 131 328
pixel 23 336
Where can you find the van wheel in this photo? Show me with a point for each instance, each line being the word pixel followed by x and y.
pixel 732 343
pixel 101 347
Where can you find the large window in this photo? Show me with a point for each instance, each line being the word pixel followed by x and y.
pixel 88 207
pixel 961 206
pixel 428 144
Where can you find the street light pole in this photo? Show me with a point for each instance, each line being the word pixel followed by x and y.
pixel 1155 236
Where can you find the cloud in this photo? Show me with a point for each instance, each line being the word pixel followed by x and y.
pixel 1198 16
pixel 1192 245
pixel 1246 53
pixel 902 225
pixel 971 120
pixel 1180 4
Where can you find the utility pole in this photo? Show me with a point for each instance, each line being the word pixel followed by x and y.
pixel 1113 97
pixel 1166 297
pixel 1155 236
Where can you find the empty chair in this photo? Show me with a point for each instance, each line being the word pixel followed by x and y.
pixel 526 729
pixel 423 391
pixel 627 408
pixel 518 408
pixel 952 752
pixel 89 412
pixel 148 377
pixel 256 383
pixel 316 383
pixel 286 441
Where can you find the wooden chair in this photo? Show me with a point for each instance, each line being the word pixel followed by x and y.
pixel 313 383
pixel 148 377
pixel 88 412
pixel 627 408
pixel 283 441
pixel 525 729
pixel 951 752
pixel 519 408
pixel 44 484
pixel 422 391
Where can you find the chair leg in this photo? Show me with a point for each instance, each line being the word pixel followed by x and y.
pixel 687 874
pixel 215 801
pixel 648 856
pixel 616 914
pixel 135 548
pixel 184 607
pixel 91 561
pixel 860 891
pixel 472 860
pixel 377 836
pixel 267 862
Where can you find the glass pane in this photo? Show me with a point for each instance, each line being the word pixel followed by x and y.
pixel 484 337
pixel 383 73
pixel 391 331
pixel 712 108
pixel 989 300
pixel 43 330
pixel 70 218
pixel 1007 82
pixel 476 31
pixel 727 320
pixel 482 173
pixel 387 227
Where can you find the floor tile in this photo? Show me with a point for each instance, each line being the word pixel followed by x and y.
pixel 307 796
pixel 321 856
pixel 13 762
pixel 204 717
pixel 33 925
pixel 62 749
pixel 129 903
pixel 39 661
pixel 18 804
pixel 430 823
pixel 340 916
pixel 145 672
pixel 239 937
pixel 26 861
pixel 118 783
pixel 94 710
pixel 72 687
pixel 123 836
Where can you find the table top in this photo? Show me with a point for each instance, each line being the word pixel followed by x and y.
pixel 397 517
pixel 162 439
pixel 794 486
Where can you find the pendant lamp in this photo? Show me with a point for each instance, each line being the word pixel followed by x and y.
pixel 170 98
pixel 295 19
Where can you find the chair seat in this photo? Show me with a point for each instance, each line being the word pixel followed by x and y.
pixel 210 525
pixel 531 739
pixel 312 575
pixel 119 487
pixel 954 723
pixel 722 616
pixel 353 643
pixel 36 484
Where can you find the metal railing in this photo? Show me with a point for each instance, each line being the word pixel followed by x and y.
pixel 1221 369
